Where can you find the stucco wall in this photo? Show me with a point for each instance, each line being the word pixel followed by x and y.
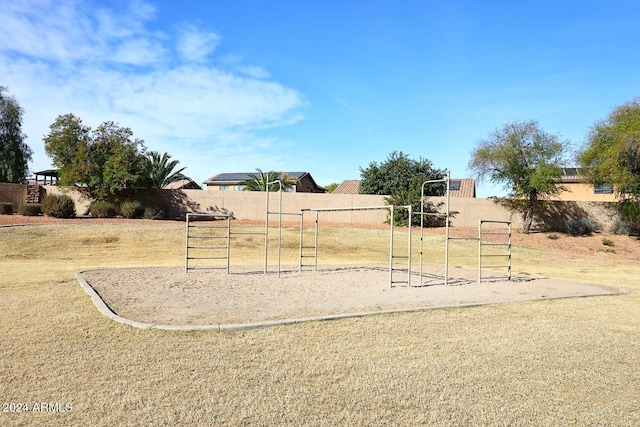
pixel 13 193
pixel 249 205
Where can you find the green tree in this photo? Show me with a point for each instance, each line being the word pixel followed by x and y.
pixel 525 159
pixel 259 181
pixel 331 187
pixel 101 161
pixel 400 178
pixel 159 169
pixel 15 154
pixel 611 155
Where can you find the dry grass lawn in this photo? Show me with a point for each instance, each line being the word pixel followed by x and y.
pixel 562 362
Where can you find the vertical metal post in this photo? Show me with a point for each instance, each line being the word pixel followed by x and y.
pixel 509 251
pixel 228 244
pixel 280 228
pixel 421 228
pixel 446 247
pixel 266 231
pixel 479 251
pixel 391 217
pixel 301 232
pixel 186 249
pixel 315 249
pixel 409 247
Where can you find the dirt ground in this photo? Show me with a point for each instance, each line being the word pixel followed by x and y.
pixel 170 296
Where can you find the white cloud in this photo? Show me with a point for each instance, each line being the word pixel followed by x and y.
pixel 72 56
pixel 195 45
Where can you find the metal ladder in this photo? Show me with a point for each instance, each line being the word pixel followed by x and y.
pixel 207 242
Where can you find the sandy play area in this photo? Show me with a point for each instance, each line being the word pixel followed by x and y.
pixel 171 297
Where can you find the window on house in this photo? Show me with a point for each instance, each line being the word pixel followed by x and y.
pixel 238 187
pixel 454 185
pixel 603 189
pixel 223 187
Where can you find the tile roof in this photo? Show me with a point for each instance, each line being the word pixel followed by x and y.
pixel 348 186
pixel 465 187
pixel 242 176
pixel 182 183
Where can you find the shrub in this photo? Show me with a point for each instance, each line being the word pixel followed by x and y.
pixel 607 250
pixel 154 212
pixel 622 228
pixel 607 242
pixel 59 206
pixel 553 236
pixel 30 209
pixel 581 226
pixel 131 209
pixel 102 209
pixel 6 208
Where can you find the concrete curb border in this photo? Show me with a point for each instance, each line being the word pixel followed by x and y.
pixel 106 311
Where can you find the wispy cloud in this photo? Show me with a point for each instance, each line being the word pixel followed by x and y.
pixel 75 56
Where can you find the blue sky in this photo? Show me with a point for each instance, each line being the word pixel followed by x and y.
pixel 320 86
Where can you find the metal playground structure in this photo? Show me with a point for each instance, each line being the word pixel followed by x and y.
pixel 208 239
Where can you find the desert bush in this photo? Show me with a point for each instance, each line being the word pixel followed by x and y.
pixel 59 206
pixel 102 209
pixel 131 209
pixel 581 226
pixel 607 242
pixel 154 212
pixel 6 208
pixel 30 209
pixel 622 228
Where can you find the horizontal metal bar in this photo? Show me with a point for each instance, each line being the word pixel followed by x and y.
pixel 208 226
pixel 495 244
pixel 361 208
pixel 207 247
pixel 495 266
pixel 206 268
pixel 247 233
pixel 284 213
pixel 215 257
pixel 485 221
pixel 207 237
pixel 493 255
pixel 496 233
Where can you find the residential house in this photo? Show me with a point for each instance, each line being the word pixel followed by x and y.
pixel 578 188
pixel 233 182
pixel 465 187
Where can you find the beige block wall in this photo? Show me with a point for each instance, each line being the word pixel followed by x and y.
pixel 249 205
pixel 13 193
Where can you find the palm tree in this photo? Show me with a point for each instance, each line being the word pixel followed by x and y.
pixel 160 170
pixel 258 182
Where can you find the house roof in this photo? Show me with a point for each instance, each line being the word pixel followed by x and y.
pixel 573 175
pixel 348 186
pixel 182 183
pixel 237 177
pixel 465 187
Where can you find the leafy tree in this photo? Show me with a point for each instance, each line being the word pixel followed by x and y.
pixel 525 159
pixel 611 155
pixel 400 178
pixel 331 187
pixel 101 161
pixel 258 182
pixel 15 154
pixel 159 169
